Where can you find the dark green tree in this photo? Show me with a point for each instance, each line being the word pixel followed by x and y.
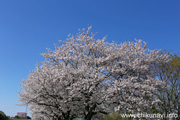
pixel 3 116
pixel 28 117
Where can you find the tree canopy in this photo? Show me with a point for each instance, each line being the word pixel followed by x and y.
pixel 85 77
pixel 3 116
pixel 170 96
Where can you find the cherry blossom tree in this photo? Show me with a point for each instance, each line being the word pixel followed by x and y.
pixel 85 77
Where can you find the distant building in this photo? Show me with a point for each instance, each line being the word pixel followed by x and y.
pixel 22 114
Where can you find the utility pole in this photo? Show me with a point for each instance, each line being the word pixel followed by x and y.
pixel 26 110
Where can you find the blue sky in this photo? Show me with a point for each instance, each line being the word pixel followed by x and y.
pixel 28 27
